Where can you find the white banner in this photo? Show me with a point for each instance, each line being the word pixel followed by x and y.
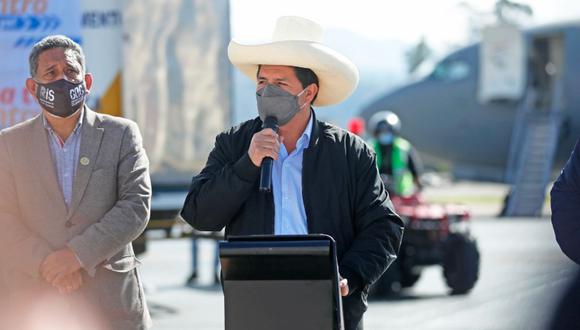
pixel 22 24
pixel 502 64
pixel 102 30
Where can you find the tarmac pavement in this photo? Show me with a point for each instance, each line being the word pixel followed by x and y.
pixel 523 274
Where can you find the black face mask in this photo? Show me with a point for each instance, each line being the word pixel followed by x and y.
pixel 61 98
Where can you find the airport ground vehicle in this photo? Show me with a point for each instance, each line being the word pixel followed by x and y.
pixel 434 235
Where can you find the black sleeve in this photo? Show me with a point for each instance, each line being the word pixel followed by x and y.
pixel 378 229
pixel 218 192
pixel 565 200
pixel 415 164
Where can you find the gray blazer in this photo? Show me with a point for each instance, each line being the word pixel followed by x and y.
pixel 109 209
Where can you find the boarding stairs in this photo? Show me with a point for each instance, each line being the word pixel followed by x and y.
pixel 532 151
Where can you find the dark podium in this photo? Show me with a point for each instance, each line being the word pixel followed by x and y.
pixel 280 282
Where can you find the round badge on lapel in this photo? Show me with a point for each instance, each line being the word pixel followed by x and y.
pixel 85 161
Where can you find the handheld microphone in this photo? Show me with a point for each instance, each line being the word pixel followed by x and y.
pixel 267 162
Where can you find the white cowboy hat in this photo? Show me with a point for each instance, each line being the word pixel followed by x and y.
pixel 298 42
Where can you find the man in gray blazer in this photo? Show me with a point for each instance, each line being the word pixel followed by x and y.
pixel 74 192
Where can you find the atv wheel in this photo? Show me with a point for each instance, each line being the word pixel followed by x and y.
pixel 461 263
pixel 409 278
pixel 388 284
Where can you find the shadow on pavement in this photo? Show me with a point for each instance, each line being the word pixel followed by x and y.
pixel 408 296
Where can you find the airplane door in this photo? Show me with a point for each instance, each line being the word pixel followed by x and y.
pixel 537 128
pixel 502 62
pixel 546 72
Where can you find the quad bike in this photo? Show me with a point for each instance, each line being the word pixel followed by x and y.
pixel 434 235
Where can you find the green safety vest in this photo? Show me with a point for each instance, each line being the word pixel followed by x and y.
pixel 402 177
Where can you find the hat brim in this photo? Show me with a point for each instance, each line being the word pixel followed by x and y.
pixel 337 75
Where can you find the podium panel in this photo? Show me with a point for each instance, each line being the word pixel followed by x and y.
pixel 280 282
pixel 267 305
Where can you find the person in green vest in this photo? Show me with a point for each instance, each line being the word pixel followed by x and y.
pixel 397 160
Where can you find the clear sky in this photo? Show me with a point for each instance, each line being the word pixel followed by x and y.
pixel 442 22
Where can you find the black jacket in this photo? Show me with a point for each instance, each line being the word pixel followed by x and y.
pixel 343 196
pixel 565 199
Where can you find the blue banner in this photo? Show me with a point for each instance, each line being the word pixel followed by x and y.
pixel 22 24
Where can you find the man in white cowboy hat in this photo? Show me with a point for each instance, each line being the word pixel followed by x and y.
pixel 324 179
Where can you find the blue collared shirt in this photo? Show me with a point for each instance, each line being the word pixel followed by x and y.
pixel 289 213
pixel 65 156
